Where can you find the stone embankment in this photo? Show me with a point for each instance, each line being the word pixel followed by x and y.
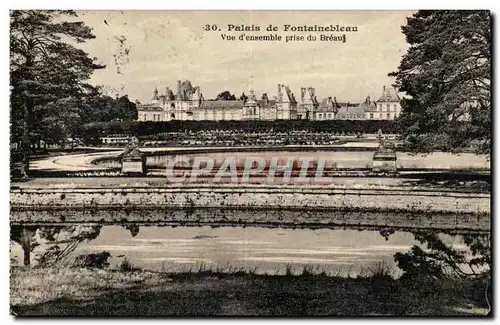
pixel 221 205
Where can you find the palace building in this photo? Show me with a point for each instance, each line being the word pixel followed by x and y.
pixel 387 107
pixel 188 103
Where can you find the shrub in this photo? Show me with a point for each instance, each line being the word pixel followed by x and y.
pixel 126 265
pixel 98 260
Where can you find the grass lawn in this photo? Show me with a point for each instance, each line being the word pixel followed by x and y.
pixel 92 292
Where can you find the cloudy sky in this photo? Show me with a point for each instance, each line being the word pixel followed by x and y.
pixel 144 49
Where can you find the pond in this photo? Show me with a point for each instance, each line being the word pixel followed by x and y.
pixel 333 159
pixel 345 252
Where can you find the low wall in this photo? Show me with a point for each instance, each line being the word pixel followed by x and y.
pixel 333 198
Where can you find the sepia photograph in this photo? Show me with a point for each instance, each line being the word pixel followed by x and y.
pixel 206 163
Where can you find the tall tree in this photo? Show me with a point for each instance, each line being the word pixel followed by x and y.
pixel 225 95
pixel 103 108
pixel 46 67
pixel 446 75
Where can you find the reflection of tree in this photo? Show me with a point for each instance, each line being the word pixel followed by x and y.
pixel 133 228
pixel 61 241
pixel 438 260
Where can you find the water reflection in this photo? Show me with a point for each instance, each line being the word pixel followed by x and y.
pixel 333 159
pixel 335 252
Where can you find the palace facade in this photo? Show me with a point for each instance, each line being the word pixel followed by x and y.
pixel 188 103
pixel 386 107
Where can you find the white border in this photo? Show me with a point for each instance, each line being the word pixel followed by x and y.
pixel 180 5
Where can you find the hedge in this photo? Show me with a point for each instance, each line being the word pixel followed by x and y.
pixel 137 128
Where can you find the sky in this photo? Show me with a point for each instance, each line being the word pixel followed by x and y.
pixel 147 49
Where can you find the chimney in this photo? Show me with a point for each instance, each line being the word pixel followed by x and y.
pixel 179 89
pixel 302 93
pixel 384 90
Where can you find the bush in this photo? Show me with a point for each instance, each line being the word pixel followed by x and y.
pixel 98 260
pixel 126 266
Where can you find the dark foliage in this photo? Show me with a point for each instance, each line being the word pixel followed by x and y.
pixel 446 75
pixel 435 259
pixel 225 95
pixel 93 260
pixel 150 128
pixel 48 76
pixel 105 109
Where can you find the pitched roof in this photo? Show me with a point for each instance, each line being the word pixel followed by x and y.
pixel 389 94
pixel 371 107
pixel 149 107
pixel 169 94
pixel 220 104
pixel 368 105
pixel 328 105
pixel 350 110
pixel 270 103
pixel 290 95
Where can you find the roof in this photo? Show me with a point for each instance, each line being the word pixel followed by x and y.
pixel 389 94
pixel 149 107
pixel 345 110
pixel 186 90
pixel 328 105
pixel 270 103
pixel 169 95
pixel 291 97
pixel 369 105
pixel 219 104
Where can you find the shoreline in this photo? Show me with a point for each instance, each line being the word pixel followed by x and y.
pixel 101 292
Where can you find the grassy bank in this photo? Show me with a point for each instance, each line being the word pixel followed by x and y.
pixel 72 291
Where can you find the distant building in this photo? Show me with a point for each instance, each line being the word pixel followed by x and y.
pixel 351 111
pixel 463 112
pixel 388 106
pixel 308 105
pixel 330 109
pixel 286 105
pixel 188 104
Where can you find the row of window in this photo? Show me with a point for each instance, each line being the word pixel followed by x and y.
pixel 320 116
pixel 325 115
pixel 380 107
pixel 387 116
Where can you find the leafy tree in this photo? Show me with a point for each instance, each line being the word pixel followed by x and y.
pixel 225 95
pixel 243 97
pixel 437 259
pixel 105 109
pixel 446 75
pixel 46 69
